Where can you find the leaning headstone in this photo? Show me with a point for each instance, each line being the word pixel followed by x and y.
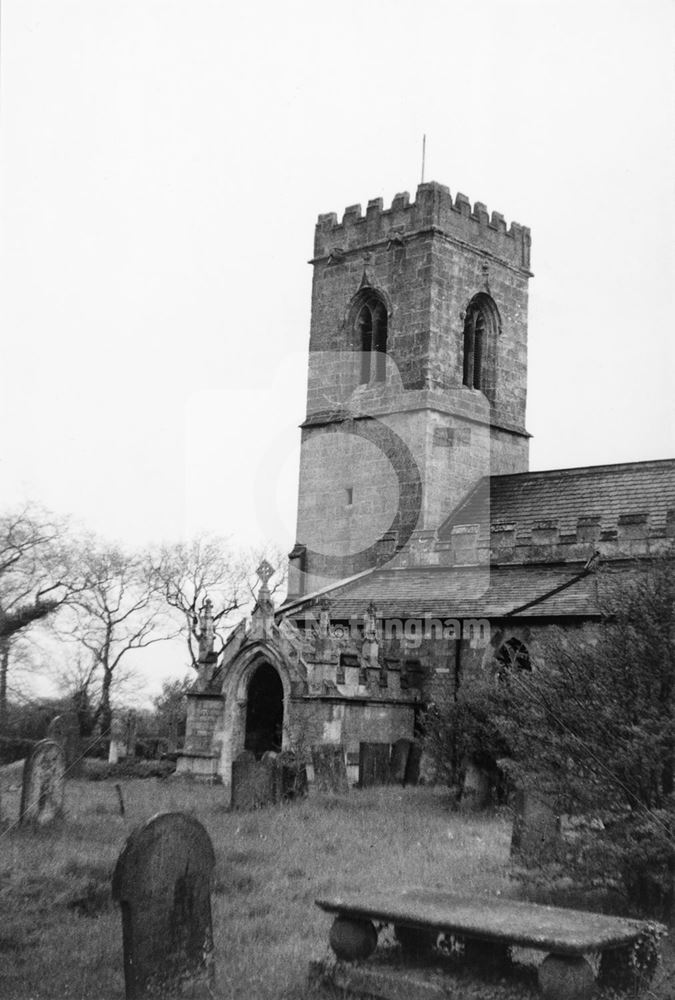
pixel 373 764
pixel 253 781
pixel 162 881
pixel 65 730
pixel 330 771
pixel 42 789
pixel 400 752
pixel 476 788
pixel 412 767
pixel 536 838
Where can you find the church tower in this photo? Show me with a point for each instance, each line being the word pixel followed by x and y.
pixel 417 377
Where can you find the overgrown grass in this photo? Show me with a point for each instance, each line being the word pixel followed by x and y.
pixel 60 934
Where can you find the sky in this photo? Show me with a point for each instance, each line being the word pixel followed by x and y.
pixel 162 165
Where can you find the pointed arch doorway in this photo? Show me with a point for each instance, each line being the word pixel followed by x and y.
pixel 264 711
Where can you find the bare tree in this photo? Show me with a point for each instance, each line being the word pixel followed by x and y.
pixel 35 579
pixel 117 610
pixel 206 568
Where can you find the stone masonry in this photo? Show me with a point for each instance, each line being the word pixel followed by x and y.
pixel 385 460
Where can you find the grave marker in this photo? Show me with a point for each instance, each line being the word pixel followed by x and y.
pixel 65 730
pixel 42 788
pixel 475 789
pixel 116 747
pixel 412 767
pixel 162 881
pixel 373 764
pixel 330 772
pixel 399 759
pixel 536 837
pixel 253 781
pixel 291 776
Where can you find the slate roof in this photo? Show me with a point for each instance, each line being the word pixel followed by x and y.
pixel 524 501
pixel 466 592
pixel 527 500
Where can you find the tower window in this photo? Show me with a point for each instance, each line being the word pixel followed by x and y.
pixel 350 495
pixel 371 330
pixel 481 325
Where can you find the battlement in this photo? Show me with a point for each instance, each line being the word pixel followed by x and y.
pixel 434 208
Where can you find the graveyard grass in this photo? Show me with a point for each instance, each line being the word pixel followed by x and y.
pixel 60 933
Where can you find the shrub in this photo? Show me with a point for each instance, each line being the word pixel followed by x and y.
pixel 14 748
pixel 594 729
pixel 464 729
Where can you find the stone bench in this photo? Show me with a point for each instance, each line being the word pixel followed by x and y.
pixel 487 929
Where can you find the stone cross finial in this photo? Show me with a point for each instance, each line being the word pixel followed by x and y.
pixel 207 632
pixel 370 624
pixel 265 571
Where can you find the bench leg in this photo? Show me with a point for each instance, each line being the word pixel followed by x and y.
pixel 629 968
pixel 352 939
pixel 415 940
pixel 566 977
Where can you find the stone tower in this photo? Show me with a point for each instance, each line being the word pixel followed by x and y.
pixel 417 377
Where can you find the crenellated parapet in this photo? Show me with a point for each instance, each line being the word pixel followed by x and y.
pixel 434 208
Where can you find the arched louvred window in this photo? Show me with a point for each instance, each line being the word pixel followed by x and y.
pixel 512 655
pixel 481 325
pixel 365 331
pixel 371 337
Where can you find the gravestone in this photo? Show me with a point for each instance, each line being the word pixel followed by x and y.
pixel 412 767
pixel 330 772
pixel 117 746
pixel 42 788
pixel 536 838
pixel 291 776
pixel 65 730
pixel 253 781
pixel 475 789
pixel 162 881
pixel 400 752
pixel 374 764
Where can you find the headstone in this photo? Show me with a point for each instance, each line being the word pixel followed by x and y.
pixel 117 745
pixel 476 788
pixel 400 752
pixel 412 767
pixel 162 881
pixel 536 838
pixel 65 730
pixel 253 781
pixel 330 772
pixel 42 789
pixel 374 764
pixel 291 777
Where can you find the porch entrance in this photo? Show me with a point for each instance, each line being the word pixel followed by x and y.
pixel 264 711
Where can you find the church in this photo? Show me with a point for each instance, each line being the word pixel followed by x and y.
pixel 425 547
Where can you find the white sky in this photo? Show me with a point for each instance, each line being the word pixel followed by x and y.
pixel 163 164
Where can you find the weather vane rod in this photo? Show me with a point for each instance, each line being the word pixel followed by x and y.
pixel 424 149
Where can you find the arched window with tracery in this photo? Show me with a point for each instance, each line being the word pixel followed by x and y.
pixel 371 335
pixel 481 326
pixel 512 656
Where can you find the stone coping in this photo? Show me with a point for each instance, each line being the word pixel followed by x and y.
pixel 528 925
